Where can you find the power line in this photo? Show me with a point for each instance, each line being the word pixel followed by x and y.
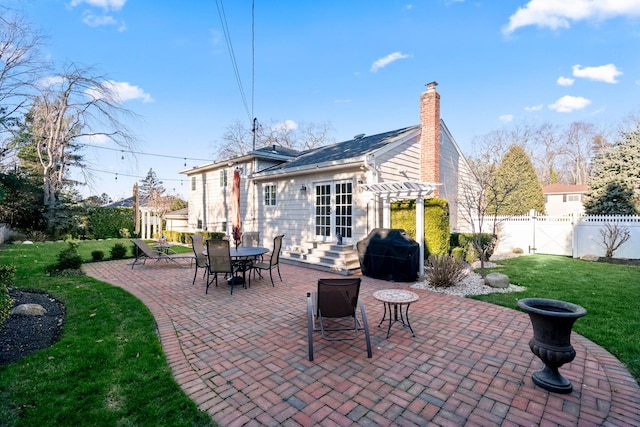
pixel 147 154
pixel 227 36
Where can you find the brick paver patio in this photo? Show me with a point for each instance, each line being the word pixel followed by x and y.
pixel 243 358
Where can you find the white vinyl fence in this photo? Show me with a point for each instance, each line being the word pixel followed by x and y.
pixel 574 235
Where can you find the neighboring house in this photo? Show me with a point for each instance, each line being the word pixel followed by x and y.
pixel 564 199
pixel 343 188
pixel 177 220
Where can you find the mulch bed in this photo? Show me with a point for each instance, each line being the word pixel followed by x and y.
pixel 620 261
pixel 24 335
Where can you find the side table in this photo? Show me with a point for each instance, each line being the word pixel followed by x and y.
pixel 396 297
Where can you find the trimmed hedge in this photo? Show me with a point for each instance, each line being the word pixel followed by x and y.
pixel 465 241
pixel 183 237
pixel 106 223
pixel 436 223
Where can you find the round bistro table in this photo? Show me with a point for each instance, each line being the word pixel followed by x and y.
pixel 395 298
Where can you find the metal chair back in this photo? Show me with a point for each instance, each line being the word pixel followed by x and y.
pixel 251 239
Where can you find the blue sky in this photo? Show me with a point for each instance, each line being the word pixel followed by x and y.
pixel 358 65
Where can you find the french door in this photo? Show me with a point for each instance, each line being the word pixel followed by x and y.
pixel 334 210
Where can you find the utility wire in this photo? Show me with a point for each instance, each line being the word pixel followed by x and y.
pixel 227 36
pixel 147 154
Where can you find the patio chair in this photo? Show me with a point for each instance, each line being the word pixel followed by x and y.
pixel 197 243
pixel 274 261
pixel 251 239
pixel 220 262
pixel 144 252
pixel 336 299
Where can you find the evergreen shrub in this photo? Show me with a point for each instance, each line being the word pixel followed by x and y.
pixel 457 253
pixel 97 255
pixel 68 259
pixel 118 251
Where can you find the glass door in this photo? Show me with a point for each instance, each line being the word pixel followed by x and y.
pixel 344 209
pixel 334 211
pixel 323 212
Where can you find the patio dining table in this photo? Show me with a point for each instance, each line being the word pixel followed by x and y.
pixel 243 254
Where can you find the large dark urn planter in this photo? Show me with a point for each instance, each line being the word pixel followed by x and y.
pixel 552 322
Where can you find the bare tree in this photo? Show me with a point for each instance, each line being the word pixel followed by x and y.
pixel 481 196
pixel 238 138
pixel 20 67
pixel 579 140
pixel 613 236
pixel 72 108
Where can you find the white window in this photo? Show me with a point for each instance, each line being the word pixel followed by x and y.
pixel 571 198
pixel 223 177
pixel 270 195
pixel 193 183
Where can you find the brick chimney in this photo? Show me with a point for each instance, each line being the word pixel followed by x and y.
pixel 430 135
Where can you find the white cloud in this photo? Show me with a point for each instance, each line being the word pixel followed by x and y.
pixel 99 139
pixel 98 21
pixel 604 73
pixel 383 62
pixel 556 14
pixel 121 92
pixel 286 125
pixel 568 103
pixel 565 81
pixel 104 4
pixel 50 81
pixel 534 108
pixel 506 118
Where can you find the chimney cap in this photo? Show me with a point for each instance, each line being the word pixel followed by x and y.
pixel 431 86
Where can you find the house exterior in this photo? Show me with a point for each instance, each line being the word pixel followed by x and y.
pixel 344 188
pixel 564 199
pixel 177 220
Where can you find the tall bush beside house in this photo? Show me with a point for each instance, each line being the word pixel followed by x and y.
pixel 106 223
pixel 7 273
pixel 436 223
pixel 436 226
pixel 403 215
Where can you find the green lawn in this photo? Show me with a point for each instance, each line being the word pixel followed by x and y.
pixel 108 367
pixel 610 293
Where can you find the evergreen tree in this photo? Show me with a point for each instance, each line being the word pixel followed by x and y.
pixel 614 184
pixel 516 171
pixel 151 187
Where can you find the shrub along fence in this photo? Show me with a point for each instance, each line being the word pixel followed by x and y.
pixel 573 235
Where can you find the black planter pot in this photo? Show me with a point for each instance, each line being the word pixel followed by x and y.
pixel 552 322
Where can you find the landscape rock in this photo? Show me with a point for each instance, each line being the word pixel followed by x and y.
pixel 29 310
pixel 590 257
pixel 497 280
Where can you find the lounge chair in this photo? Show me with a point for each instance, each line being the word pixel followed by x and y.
pixel 274 261
pixel 144 252
pixel 336 299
